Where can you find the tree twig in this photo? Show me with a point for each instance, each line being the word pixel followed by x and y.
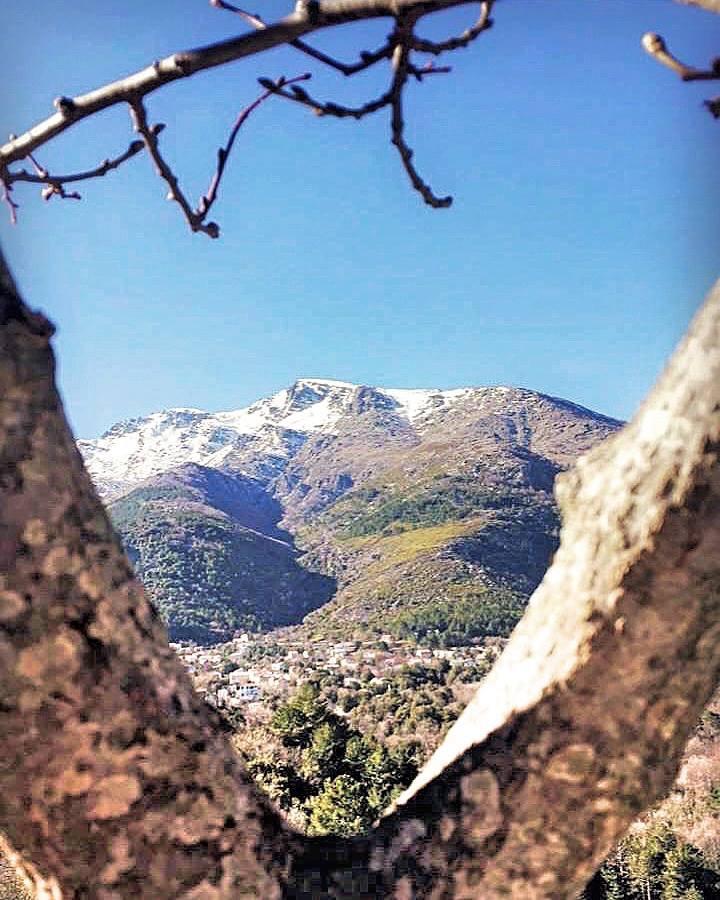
pixel 483 23
pixel 150 134
pixel 42 176
pixel 655 45
pixel 367 59
pixel 401 66
pixel 8 200
pixel 207 200
pixel 328 108
pixel 403 69
pixel 196 217
pixel 305 19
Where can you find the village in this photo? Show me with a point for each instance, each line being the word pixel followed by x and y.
pixel 261 669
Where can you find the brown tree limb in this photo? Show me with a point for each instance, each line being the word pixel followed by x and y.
pixel 116 781
pixel 42 176
pixel 54 185
pixel 709 5
pixel 468 36
pixel 207 200
pixel 401 66
pixel 150 134
pixel 656 47
pixel 367 59
pixel 305 19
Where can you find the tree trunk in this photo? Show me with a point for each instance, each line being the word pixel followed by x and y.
pixel 117 781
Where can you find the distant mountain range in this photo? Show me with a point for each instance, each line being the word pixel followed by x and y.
pixel 425 513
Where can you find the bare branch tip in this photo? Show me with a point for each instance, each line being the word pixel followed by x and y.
pixel 653 43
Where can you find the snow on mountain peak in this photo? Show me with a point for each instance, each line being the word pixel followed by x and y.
pixel 272 429
pixel 327 382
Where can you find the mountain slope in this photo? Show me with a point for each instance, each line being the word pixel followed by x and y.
pixel 209 551
pixel 416 506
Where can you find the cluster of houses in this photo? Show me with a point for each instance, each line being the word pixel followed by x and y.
pixel 256 668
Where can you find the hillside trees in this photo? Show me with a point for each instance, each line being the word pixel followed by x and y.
pixel 117 781
pixel 329 776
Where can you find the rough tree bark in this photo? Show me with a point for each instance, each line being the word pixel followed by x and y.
pixel 117 781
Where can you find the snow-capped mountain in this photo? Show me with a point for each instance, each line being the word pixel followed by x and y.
pixel 260 439
pixel 352 506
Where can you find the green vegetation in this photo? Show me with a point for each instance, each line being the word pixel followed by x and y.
pixel 326 775
pixel 654 863
pixel 403 545
pixel 378 509
pixel 210 577
pixel 334 756
pixel 444 623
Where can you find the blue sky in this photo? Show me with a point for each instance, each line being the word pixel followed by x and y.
pixel 582 238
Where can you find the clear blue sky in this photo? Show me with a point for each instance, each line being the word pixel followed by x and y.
pixel 584 231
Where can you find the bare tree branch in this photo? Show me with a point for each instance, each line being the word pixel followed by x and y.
pixel 54 185
pixel 328 108
pixel 710 5
pixel 150 136
pixel 400 64
pixel 483 23
pixel 42 176
pixel 8 201
pixel 196 217
pixel 367 59
pixel 655 45
pixel 207 200
pixel 392 98
pixel 305 19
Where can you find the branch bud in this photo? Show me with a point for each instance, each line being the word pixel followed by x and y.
pixel 653 43
pixel 64 105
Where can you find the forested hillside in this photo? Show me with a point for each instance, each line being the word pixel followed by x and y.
pixel 425 514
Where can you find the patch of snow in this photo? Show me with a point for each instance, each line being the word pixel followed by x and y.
pixel 320 416
pixel 414 403
pixel 276 427
pixel 329 382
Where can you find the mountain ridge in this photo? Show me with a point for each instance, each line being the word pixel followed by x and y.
pixel 360 509
pixel 276 427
